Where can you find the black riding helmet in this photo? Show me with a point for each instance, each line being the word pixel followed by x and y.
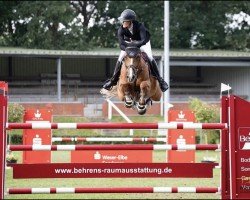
pixel 127 15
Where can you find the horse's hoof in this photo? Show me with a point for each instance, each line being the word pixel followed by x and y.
pixel 129 104
pixel 141 109
pixel 142 112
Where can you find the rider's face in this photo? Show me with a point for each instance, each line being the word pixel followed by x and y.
pixel 126 24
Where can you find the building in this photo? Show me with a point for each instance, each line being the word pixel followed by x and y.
pixel 54 75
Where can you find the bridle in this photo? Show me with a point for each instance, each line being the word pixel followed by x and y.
pixel 132 72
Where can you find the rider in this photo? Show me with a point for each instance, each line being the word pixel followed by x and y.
pixel 133 33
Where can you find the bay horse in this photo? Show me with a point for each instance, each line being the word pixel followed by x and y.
pixel 136 86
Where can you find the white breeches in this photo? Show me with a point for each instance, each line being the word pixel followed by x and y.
pixel 145 48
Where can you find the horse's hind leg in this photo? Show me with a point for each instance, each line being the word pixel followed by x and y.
pixel 142 103
pixel 157 93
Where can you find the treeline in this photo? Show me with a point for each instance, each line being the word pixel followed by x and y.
pixel 81 25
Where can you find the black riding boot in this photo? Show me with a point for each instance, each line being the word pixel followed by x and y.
pixel 113 80
pixel 155 72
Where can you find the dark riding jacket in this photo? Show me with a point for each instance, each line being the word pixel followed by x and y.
pixel 139 37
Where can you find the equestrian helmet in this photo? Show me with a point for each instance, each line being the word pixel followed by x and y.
pixel 127 15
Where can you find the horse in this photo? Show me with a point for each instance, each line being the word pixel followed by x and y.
pixel 136 86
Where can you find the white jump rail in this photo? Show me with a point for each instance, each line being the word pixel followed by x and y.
pixel 108 139
pixel 110 105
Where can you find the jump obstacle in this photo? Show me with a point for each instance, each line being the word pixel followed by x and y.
pixel 112 147
pixel 107 125
pixel 234 146
pixel 104 139
pixel 115 190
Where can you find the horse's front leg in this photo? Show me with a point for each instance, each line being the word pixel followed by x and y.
pixel 144 95
pixel 126 95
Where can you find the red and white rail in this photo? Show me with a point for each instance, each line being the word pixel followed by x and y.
pixel 108 139
pixel 107 125
pixel 114 190
pixel 113 147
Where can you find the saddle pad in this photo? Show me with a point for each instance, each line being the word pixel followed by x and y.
pixel 146 59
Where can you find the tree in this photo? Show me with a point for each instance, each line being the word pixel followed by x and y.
pixel 206 113
pixel 48 25
pixel 201 24
pixel 81 25
pixel 198 24
pixel 7 10
pixel 92 16
pixel 238 37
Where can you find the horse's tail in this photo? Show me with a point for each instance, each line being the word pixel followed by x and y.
pixel 108 94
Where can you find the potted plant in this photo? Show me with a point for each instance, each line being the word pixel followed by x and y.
pixel 11 158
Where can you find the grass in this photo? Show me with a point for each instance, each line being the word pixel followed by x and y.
pixel 158 156
pixel 71 132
